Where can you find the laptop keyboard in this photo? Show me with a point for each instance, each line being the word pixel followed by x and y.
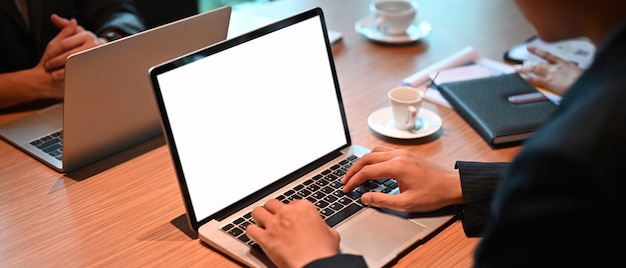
pixel 323 190
pixel 51 144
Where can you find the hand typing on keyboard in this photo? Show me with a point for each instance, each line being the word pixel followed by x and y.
pixel 286 232
pixel 423 186
pixel 342 190
pixel 324 190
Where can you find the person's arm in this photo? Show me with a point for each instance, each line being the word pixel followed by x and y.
pixel 339 260
pixel 41 82
pixel 46 79
pixel 62 46
pixel 292 234
pixel 478 183
pixel 119 17
pixel 28 85
pixel 424 186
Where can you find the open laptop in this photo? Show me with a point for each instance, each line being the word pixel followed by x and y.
pixel 261 116
pixel 109 104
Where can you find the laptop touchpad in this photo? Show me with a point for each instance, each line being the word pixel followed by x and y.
pixel 376 234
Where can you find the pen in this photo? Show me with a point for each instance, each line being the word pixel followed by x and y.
pixel 527 98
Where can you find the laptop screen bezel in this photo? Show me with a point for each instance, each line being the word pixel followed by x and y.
pixel 194 222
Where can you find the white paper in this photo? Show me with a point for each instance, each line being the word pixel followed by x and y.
pixel 461 57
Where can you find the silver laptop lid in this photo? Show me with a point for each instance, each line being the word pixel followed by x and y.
pixel 248 115
pixel 109 104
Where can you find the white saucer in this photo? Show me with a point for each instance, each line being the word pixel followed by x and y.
pixel 381 121
pixel 418 30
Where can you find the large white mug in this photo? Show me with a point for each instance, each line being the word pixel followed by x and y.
pixel 393 17
pixel 405 105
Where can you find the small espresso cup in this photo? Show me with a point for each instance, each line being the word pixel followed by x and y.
pixel 405 105
pixel 393 17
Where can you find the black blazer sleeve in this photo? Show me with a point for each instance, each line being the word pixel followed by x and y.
pixel 478 183
pixel 101 15
pixel 340 260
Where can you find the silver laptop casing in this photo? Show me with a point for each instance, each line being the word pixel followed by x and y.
pixel 109 104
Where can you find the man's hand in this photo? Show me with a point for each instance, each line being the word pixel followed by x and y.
pixel 557 74
pixel 71 39
pixel 424 186
pixel 294 234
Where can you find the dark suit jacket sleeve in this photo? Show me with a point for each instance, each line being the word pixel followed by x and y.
pixel 340 260
pixel 478 183
pixel 102 15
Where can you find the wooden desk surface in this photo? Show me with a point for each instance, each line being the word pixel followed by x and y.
pixel 122 211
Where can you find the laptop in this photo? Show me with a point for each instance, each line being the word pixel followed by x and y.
pixel 109 103
pixel 261 116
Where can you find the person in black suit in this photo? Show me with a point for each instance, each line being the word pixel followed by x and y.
pixel 558 204
pixel 39 35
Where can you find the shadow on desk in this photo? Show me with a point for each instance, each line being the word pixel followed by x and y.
pixel 176 230
pixel 182 224
pixel 30 106
pixel 116 159
pixel 418 141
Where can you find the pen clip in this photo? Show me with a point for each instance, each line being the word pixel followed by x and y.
pixel 527 98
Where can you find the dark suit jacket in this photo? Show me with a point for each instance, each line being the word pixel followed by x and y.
pixel 22 47
pixel 561 202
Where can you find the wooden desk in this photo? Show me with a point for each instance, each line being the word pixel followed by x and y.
pixel 119 211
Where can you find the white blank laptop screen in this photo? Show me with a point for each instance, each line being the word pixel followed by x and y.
pixel 251 114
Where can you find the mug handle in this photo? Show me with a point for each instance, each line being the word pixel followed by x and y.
pixel 379 23
pixel 412 115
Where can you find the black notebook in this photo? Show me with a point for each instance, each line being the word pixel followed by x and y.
pixel 484 104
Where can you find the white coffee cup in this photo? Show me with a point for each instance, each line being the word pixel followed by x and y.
pixel 405 105
pixel 393 17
